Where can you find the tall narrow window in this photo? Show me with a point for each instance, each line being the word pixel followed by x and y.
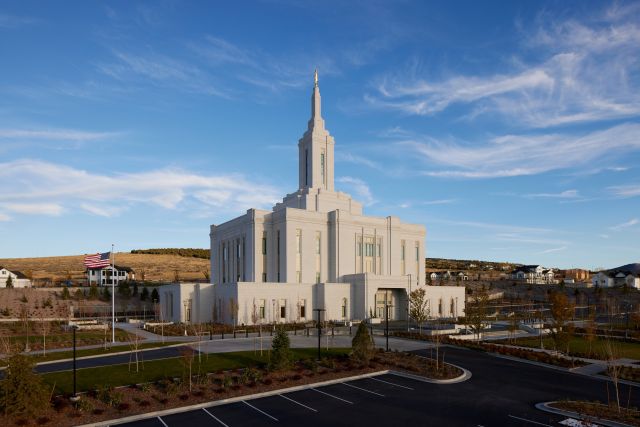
pixel 261 309
pixel 306 167
pixel 318 259
pixel 418 266
pixel 238 259
pixel 264 256
pixel 299 255
pixel 402 258
pixel 278 254
pixel 302 313
pixel 324 182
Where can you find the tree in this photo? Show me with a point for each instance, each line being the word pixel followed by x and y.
pixel 78 295
pixel 106 293
pixel 419 307
pixel 476 313
pixel 9 283
pixel 590 329
pixel 143 274
pixel 44 327
pixel 612 353
pixel 561 313
pixel 176 275
pixel 514 323
pixel 135 289
pixel 281 355
pixel 362 347
pixel 155 295
pixel 144 295
pixel 206 274
pixel 65 293
pixel 22 392
pixel 124 290
pixel 93 292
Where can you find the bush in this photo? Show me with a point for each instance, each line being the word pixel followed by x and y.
pixel 281 350
pixel 22 392
pixel 362 348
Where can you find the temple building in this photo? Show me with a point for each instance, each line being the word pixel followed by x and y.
pixel 317 250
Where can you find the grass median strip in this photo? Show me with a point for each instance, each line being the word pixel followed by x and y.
pixel 121 375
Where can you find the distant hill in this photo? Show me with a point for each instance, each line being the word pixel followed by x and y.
pixel 156 267
pixel 628 268
pixel 467 264
pixel 184 252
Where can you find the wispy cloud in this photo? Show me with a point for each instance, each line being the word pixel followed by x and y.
pixel 4 217
pixel 347 157
pixel 552 250
pixel 515 155
pixel 624 225
pixel 49 209
pixel 587 74
pixel 360 188
pixel 51 189
pixel 55 134
pixel 630 190
pixel 567 194
pixel 12 21
pixel 162 70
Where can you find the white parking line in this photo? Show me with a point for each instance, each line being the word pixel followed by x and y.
pixel 363 389
pixel 331 395
pixel 390 383
pixel 529 421
pixel 214 417
pixel 259 410
pixel 162 421
pixel 295 401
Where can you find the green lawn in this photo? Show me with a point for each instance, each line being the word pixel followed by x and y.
pixel 118 375
pixel 65 339
pixel 97 351
pixel 579 346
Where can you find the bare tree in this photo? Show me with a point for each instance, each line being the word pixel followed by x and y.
pixel 233 308
pixel 476 313
pixel 187 364
pixel 612 353
pixel 590 328
pixel 44 327
pixel 206 274
pixel 514 323
pixel 24 319
pixel 134 344
pixel 419 307
pixel 561 312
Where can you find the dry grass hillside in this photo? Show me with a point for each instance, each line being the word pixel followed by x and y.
pixel 155 267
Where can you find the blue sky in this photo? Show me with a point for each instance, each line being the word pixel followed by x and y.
pixel 511 129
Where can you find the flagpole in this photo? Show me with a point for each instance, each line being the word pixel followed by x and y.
pixel 113 296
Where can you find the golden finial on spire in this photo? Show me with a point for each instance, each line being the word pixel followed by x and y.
pixel 315 78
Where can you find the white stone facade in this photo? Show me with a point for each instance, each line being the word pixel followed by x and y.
pixel 316 249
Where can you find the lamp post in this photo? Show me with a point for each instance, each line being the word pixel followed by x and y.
pixel 408 301
pixel 319 310
pixel 75 396
pixel 386 317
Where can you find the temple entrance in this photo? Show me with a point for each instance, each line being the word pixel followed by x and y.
pixel 384 297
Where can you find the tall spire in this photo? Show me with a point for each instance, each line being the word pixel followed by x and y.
pixel 316 108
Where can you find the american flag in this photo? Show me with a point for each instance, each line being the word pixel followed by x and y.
pixel 97 260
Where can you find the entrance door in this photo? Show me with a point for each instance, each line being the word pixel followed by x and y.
pixel 382 297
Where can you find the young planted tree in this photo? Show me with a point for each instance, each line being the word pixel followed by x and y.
pixel 612 353
pixel 9 282
pixel 419 307
pixel 144 295
pixel 22 392
pixel 155 295
pixel 281 356
pixel 24 319
pixel 45 327
pixel 94 293
pixel 65 293
pixel 362 347
pixel 514 323
pixel 590 329
pixel 561 313
pixel 134 344
pixel 476 313
pixel 187 354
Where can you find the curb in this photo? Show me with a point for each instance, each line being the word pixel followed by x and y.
pixel 466 374
pixel 232 400
pixel 544 406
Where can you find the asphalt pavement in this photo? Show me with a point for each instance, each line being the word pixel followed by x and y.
pixel 501 392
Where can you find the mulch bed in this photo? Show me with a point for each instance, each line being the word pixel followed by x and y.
pixel 109 403
pixel 595 410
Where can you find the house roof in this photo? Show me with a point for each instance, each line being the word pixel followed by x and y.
pixel 118 267
pixel 19 274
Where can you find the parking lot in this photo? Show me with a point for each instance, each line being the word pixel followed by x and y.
pixel 387 399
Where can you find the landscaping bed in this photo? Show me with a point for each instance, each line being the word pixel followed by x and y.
pixel 534 356
pixel 109 402
pixel 596 410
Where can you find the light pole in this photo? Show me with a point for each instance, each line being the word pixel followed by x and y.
pixel 386 317
pixel 75 396
pixel 319 310
pixel 408 301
